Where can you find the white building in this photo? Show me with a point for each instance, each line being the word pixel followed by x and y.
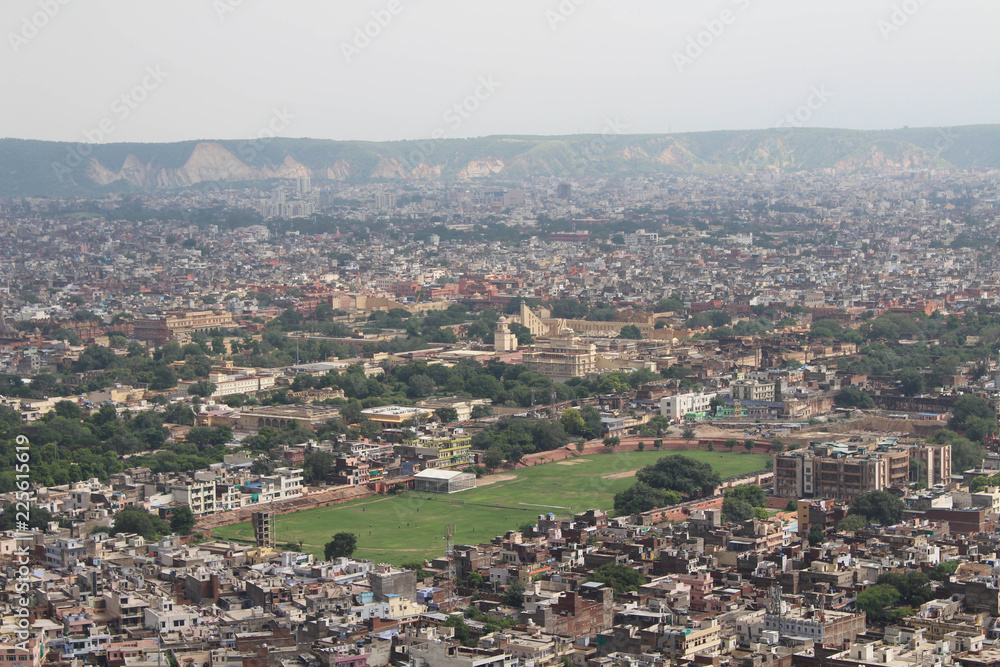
pixel 65 554
pixel 163 616
pixel 198 495
pixel 283 484
pixel 227 385
pixel 678 405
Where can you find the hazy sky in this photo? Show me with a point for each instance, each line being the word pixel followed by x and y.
pixel 166 70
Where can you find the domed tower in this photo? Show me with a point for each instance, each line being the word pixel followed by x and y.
pixel 504 339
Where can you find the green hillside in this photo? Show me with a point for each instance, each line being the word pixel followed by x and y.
pixel 41 168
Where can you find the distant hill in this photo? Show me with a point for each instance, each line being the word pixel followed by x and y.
pixel 43 168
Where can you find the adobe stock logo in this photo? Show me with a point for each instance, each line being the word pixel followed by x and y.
pixel 32 25
pixel 121 109
pixel 363 35
pixel 562 13
pixel 712 30
pixel 900 16
pixel 454 116
pixel 224 8
pixel 804 112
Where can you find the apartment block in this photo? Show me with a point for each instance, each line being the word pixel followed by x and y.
pixel 840 471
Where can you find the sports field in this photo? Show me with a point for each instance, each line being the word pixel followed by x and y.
pixel 411 526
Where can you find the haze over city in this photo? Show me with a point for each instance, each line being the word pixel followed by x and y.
pixel 561 67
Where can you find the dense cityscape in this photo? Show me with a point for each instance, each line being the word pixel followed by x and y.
pixel 559 333
pixel 745 420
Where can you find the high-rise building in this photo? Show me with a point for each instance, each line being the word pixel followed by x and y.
pixel 385 200
pixel 303 184
pixel 263 529
pixel 564 190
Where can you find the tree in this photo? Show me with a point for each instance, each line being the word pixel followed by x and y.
pixel 572 422
pixel 630 331
pixel 978 428
pixel 163 378
pixel 178 413
pixel 182 520
pixel 751 493
pixel 523 333
pixel 816 534
pixel 852 523
pixel 420 386
pixel 480 411
pixel 911 382
pixel 612 441
pixel 134 519
pixel 200 436
pixel 852 397
pixel 202 388
pixel 731 443
pixel 736 509
pixel 447 415
pixel 688 433
pixel 350 412
pixel 965 454
pixel 622 578
pixel 943 570
pixel 317 465
pixel 879 507
pixel 777 445
pixel 342 545
pixel 642 497
pixel 514 595
pixel 914 586
pixel 680 473
pixel 970 406
pixel 548 434
pixel 514 455
pixel 262 466
pixel 592 420
pixel 68 409
pixel 370 428
pixel 475 580
pixel 658 426
pixel 641 446
pixel 877 600
pixel 38 518
pixel 748 445
pixel 493 458
pixel 657 444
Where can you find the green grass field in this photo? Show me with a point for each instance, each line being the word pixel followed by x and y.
pixel 411 526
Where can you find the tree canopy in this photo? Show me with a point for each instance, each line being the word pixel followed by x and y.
pixel 680 473
pixel 342 545
pixel 622 578
pixel 641 497
pixel 134 519
pixel 881 507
